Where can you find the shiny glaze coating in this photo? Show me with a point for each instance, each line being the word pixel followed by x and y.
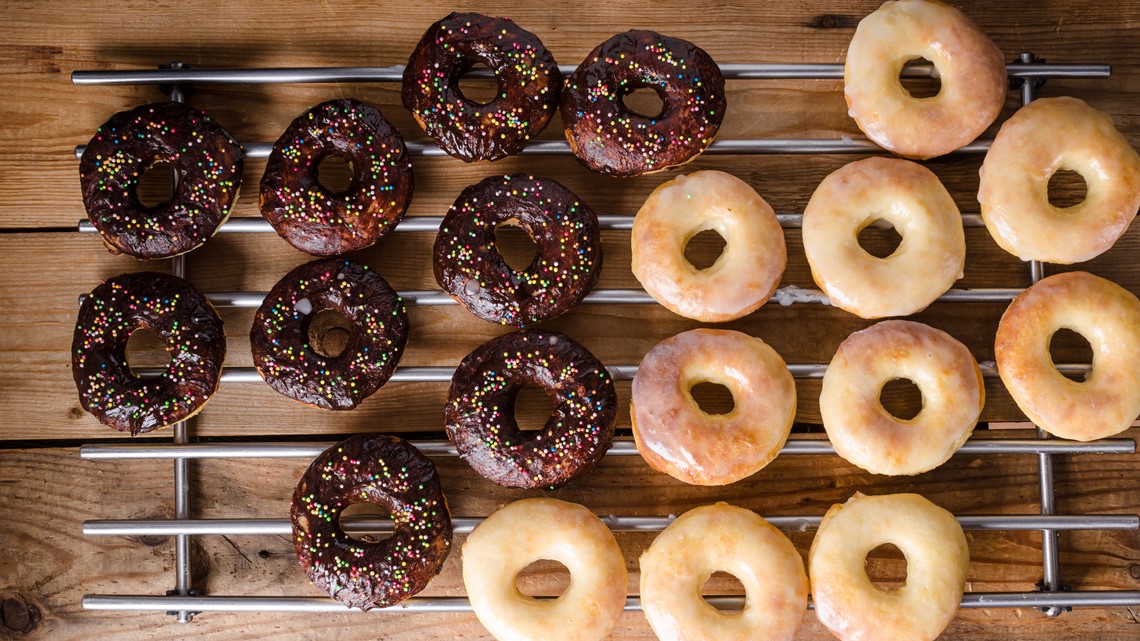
pixel 609 138
pixel 181 316
pixel 377 469
pixel 529 86
pixel 480 412
pixel 280 334
pixel 310 216
pixel 207 164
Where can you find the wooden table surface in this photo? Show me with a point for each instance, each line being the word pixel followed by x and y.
pixel 46 490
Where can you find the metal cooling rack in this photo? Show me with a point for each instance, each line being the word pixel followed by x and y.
pixel 184 602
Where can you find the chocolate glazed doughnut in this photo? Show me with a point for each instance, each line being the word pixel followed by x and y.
pixel 566 267
pixel 377 469
pixel 529 86
pixel 207 163
pixel 609 138
pixel 168 306
pixel 280 334
pixel 480 412
pixel 313 218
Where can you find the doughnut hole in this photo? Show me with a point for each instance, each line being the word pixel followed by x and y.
pixel 544 577
pixel 515 245
pixel 901 398
pixel 366 522
pixel 713 398
pixel 533 406
pixel 886 567
pixel 156 185
pixel 1067 346
pixel 646 102
pixel 1067 189
pixel 704 249
pixel 482 91
pixel 879 238
pixel 328 332
pixel 145 348
pixel 723 584
pixel 922 87
pixel 335 174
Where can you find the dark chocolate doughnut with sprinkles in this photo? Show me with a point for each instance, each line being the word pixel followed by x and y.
pixel 168 306
pixel 529 86
pixel 378 469
pixel 207 163
pixel 480 412
pixel 609 138
pixel 287 361
pixel 310 216
pixel 566 267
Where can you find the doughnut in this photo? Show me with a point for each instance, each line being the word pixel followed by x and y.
pixel 908 196
pixel 609 138
pixel 480 411
pixel 392 473
pixel 469 267
pixel 1107 401
pixel 1042 138
pixel 747 271
pixel 529 85
pixel 969 65
pixel 676 437
pixel 287 361
pixel 207 164
pixel 853 608
pixel 181 316
pixel 726 538
pixel 317 220
pixel 866 434
pixel 531 530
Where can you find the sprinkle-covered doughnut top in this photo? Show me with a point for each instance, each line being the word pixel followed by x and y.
pixel 310 216
pixel 609 138
pixel 480 412
pixel 376 469
pixel 207 163
pixel 280 335
pixel 168 306
pixel 529 85
pixel 566 267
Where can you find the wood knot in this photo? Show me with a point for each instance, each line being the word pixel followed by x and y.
pixel 832 21
pixel 74 413
pixel 19 615
pixel 1134 570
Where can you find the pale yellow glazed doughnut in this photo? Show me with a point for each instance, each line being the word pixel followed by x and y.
pixel 675 436
pixel 747 271
pixel 729 539
pixel 1042 138
pixel 853 608
pixel 869 436
pixel 970 66
pixel 1107 401
pixel 530 530
pixel 910 197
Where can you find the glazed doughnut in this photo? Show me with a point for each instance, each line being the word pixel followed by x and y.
pixel 937 556
pixel 1042 138
pixel 529 86
pixel 469 267
pixel 531 530
pixel 207 163
pixel 377 469
pixel 724 538
pixel 1107 401
pixel 168 306
pixel 910 197
pixel 280 342
pixel 609 138
pixel 748 269
pixel 675 436
pixel 867 435
pixel 969 65
pixel 309 215
pixel 480 411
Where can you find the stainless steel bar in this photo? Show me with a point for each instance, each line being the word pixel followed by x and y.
pixel 439 447
pixel 464 525
pixel 395 73
pixel 132 602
